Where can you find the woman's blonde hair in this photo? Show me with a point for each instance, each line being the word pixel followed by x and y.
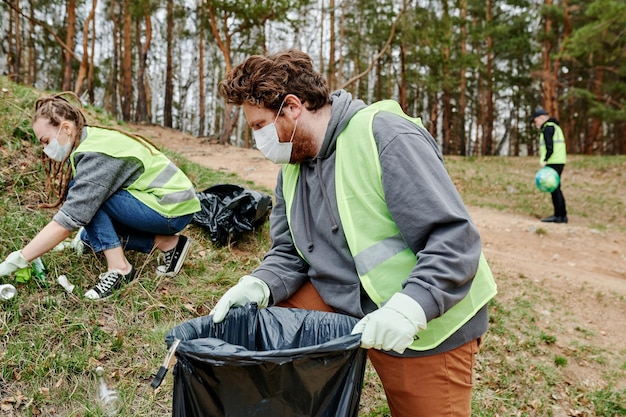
pixel 56 109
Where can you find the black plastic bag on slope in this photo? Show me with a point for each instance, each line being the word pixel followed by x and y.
pixel 230 210
pixel 270 362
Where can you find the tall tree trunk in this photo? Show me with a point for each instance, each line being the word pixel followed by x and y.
pixel 330 74
pixel 69 41
pixel 13 34
pixel 549 74
pixel 169 72
pixel 568 126
pixel 112 102
pixel 463 81
pixel 127 64
pixel 201 94
pixel 402 96
pixel 446 104
pixel 84 62
pixel 434 113
pixel 342 40
pixel 489 111
pixel 379 80
pixel 90 72
pixel 322 32
pixel 595 130
pixel 446 101
pixel 223 43
pixel 141 114
pixel 32 51
pixel 18 50
pixel 619 130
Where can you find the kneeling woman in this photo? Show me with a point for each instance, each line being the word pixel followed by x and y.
pixel 124 192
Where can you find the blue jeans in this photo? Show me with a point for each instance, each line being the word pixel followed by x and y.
pixel 123 220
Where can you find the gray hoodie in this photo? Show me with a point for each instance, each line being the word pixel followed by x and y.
pixel 97 177
pixel 424 204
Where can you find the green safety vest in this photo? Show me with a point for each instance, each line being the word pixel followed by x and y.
pixel 382 257
pixel 162 186
pixel 558 145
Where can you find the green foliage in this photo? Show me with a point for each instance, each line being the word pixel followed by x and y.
pixel 16 111
pixel 560 361
pixel 608 402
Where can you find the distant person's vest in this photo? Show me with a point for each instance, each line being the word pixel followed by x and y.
pixel 162 186
pixel 559 154
pixel 382 257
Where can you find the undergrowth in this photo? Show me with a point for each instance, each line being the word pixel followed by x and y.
pixel 51 341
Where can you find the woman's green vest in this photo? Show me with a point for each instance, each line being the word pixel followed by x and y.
pixel 162 186
pixel 559 154
pixel 382 257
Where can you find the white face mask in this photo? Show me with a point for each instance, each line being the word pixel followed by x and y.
pixel 269 144
pixel 55 151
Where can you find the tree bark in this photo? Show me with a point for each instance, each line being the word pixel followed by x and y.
pixel 141 113
pixel 463 82
pixel 112 106
pixel 169 72
pixel 330 71
pixel 69 41
pixel 127 63
pixel 32 52
pixel 402 95
pixel 90 72
pixel 84 62
pixel 201 94
pixel 223 43
pixel 489 111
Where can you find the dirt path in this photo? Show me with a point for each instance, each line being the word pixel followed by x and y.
pixel 582 270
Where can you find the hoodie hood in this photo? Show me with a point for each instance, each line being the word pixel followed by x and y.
pixel 343 108
pixel 553 120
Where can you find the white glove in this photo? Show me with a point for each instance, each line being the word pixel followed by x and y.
pixel 393 326
pixel 249 289
pixel 12 263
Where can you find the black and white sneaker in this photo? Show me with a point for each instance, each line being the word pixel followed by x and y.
pixel 172 261
pixel 109 282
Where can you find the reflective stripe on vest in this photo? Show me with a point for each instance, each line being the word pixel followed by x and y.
pixel 559 153
pixel 162 186
pixel 374 240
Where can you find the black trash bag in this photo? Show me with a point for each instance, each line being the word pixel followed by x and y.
pixel 230 210
pixel 269 362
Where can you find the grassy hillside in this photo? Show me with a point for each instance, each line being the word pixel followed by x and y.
pixel 51 341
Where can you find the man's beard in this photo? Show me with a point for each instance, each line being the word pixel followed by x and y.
pixel 304 147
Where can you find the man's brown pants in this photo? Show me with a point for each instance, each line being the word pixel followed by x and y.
pixel 429 386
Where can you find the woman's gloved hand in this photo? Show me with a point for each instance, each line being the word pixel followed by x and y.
pixel 249 289
pixel 12 263
pixel 393 326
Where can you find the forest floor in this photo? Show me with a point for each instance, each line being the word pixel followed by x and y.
pixel 573 263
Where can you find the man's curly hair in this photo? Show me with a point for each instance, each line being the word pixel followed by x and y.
pixel 266 80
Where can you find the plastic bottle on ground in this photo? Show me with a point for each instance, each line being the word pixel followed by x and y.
pixel 39 269
pixel 108 398
pixel 7 291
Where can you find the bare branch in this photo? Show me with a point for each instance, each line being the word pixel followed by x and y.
pixel 382 51
pixel 45 27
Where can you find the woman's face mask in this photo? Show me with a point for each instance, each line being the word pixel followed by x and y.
pixel 268 142
pixel 55 151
